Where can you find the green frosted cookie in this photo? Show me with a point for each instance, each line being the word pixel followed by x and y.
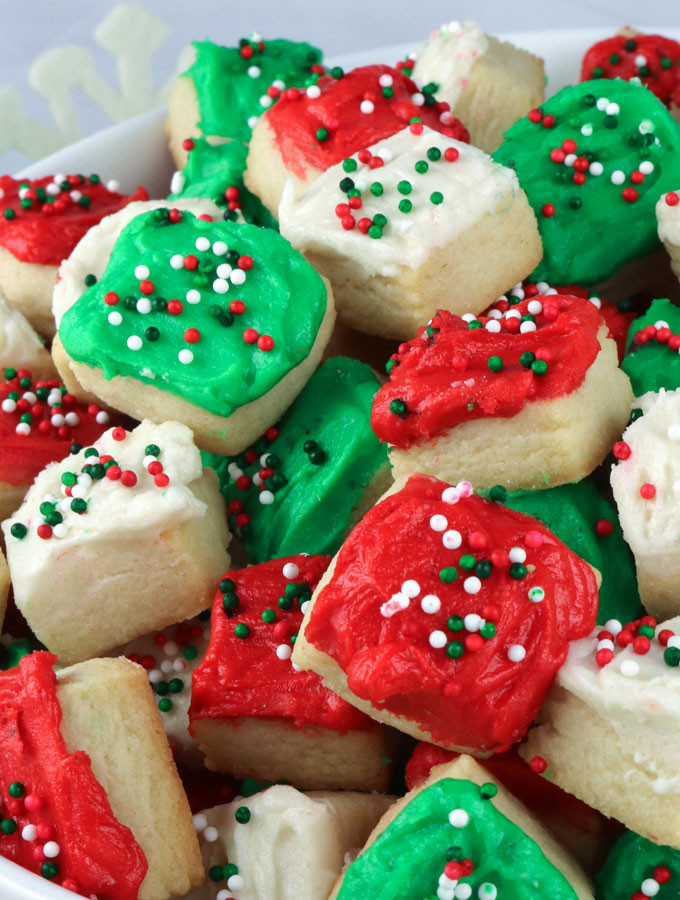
pixel 637 867
pixel 212 171
pixel 216 313
pixel 232 82
pixel 297 490
pixel 451 841
pixel 593 161
pixel 652 361
pixel 582 519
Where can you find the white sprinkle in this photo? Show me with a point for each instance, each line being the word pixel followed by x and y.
pixel 487 891
pixel 630 668
pixel 313 91
pixel 102 417
pixel 144 305
pixel 290 571
pixel 385 154
pixel 452 539
pixel 223 894
pixel 193 296
pixel 430 604
pixel 219 248
pixel 493 325
pixel 650 887
pixel 410 588
pixel 458 818
pixel 75 196
pixel 385 80
pixel 640 60
pixel 8 405
pixel 534 307
pixel 517 555
pixel 78 491
pixel 602 103
pixel 516 653
pixel 536 594
pixel 266 498
pixel 646 126
pixel 265 101
pixel 29 832
pixel 278 84
pixel 395 604
pixel 177 261
pixel 469 317
pixel 674 641
pixel 185 356
pixel 366 106
pixel 170 648
pixel 224 270
pixel 613 626
pixel 463 891
pixel 438 523
pixel 72 418
pixel 513 314
pixel 570 159
pixel 464 489
pixel 437 639
pixel 596 168
pixel 134 342
pixel 473 622
pixel 252 121
pixel 200 821
pixel 115 318
pixel 597 303
pixel 155 675
pixel 612 109
pixel 202 244
pixel 220 286
pixel 605 644
pixel 450 495
pixel 525 327
pixel 305 606
pixel 141 272
pixel 472 585
pixel 146 462
pixel 254 71
pixel 210 834
pixel 112 186
pixel 238 276
pixel 51 849
pixel 177 183
pixel 417 99
pixel 587 129
pixel 284 651
pixel 618 177
pixel 58 420
pixel 235 883
pixel 646 167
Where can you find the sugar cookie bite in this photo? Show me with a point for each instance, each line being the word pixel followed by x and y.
pixel 651 361
pixel 646 484
pixel 91 798
pixel 129 533
pixel 20 346
pixel 610 720
pixel 488 83
pixel 211 323
pixel 593 160
pixel 281 844
pixel 255 714
pixel 447 616
pixel 226 89
pixel 436 223
pixel 41 222
pixel 462 835
pixel 668 225
pixel 308 479
pixel 541 381
pixel 308 131
pixel 639 868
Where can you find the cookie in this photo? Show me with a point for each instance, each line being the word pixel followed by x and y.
pixel 594 160
pixel 226 89
pixel 255 714
pixel 157 336
pixel 307 132
pixel 447 616
pixel 129 533
pixel 488 83
pixel 639 868
pixel 306 481
pixel 41 222
pixel 668 224
pixel 20 346
pixel 541 380
pixel 436 223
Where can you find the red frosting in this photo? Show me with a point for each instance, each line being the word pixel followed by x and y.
pixel 619 57
pixel 62 798
pixel 297 118
pixel 542 797
pixel 444 377
pixel 480 699
pixel 23 456
pixel 46 232
pixel 244 676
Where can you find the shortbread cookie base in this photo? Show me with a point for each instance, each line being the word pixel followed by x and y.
pixel 266 173
pixel 104 596
pixel 182 122
pixel 464 276
pixel 504 84
pixel 225 435
pixel 466 769
pixel 28 287
pixel 631 773
pixel 11 498
pixel 309 757
pixel 548 443
pixel 62 361
pixel 109 713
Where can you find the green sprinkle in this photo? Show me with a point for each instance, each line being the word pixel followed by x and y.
pixel 448 574
pixel 230 602
pixel 575 203
pixel 526 359
pixel 337 72
pixel 321 134
pixel 405 205
pixel 598 72
pixel 91 451
pixel 9 214
pixel 10 373
pixel 49 870
pixel 539 367
pixel 671 656
pixel 399 408
pixel 175 685
pixel 487 791
pixel 518 571
pixel 436 197
pixel 615 59
pixel 666 63
pixel 226 585
pixel 421 167
pixel 474 324
pixel 467 562
pixel 404 187
pixel 455 623
pixel 8 826
pixel 16 789
pixel 375 232
pixel 434 153
pixel 349 165
pixel 216 873
pixel 380 219
pixel 152 333
pixel 484 568
pixel 610 122
pixel 242 631
pixel 495 363
pixel 242 815
pixel 18 531
pixel 377 189
pixel 388 92
pixel 498 493
pixel 488 630
pixel 455 649
pixel 646 631
pixel 190 652
pixel 165 705
pixel 229 870
pixel 269 616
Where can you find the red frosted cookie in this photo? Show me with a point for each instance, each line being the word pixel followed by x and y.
pixel 308 131
pixel 542 378
pixel 254 713
pixel 41 223
pixel 447 616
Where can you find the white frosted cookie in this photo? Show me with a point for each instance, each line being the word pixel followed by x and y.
pixel 438 223
pixel 616 707
pixel 282 844
pixel 20 346
pixel 646 485
pixel 488 83
pixel 668 225
pixel 134 546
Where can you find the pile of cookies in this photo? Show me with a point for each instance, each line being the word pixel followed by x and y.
pixel 339 487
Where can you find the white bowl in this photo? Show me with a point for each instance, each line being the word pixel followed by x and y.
pixel 135 152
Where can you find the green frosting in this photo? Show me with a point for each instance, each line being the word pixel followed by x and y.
pixel 407 859
pixel 594 230
pixel 284 297
pixel 11 653
pixel 633 860
pixel 228 97
pixel 571 511
pixel 211 169
pixel 653 366
pixel 322 460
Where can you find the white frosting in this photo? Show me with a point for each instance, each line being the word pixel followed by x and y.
pixel 294 846
pixel 472 186
pixel 448 56
pixel 652 527
pixel 92 253
pixel 668 221
pixel 20 346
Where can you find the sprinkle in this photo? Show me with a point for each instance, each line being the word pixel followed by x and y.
pixel 472 585
pixel 438 639
pixel 185 356
pixel 284 651
pixel 438 523
pixel 452 539
pixel 458 818
pixel 430 604
pixel 410 588
pixel 516 653
pixel 134 342
pixel 290 570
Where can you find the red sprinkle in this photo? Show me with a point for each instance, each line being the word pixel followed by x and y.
pixel 265 342
pixel 146 287
pixel 250 336
pixel 629 194
pixel 45 531
pixel 672 199
pixel 603 528
pixel 113 473
pixel 175 307
pixel 538 765
pixel 548 210
pixel 191 262
pixel 621 450
pixel 647 491
pixel 451 154
pixel 111 298
pixel 161 480
pixel 128 478
pixel 192 335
